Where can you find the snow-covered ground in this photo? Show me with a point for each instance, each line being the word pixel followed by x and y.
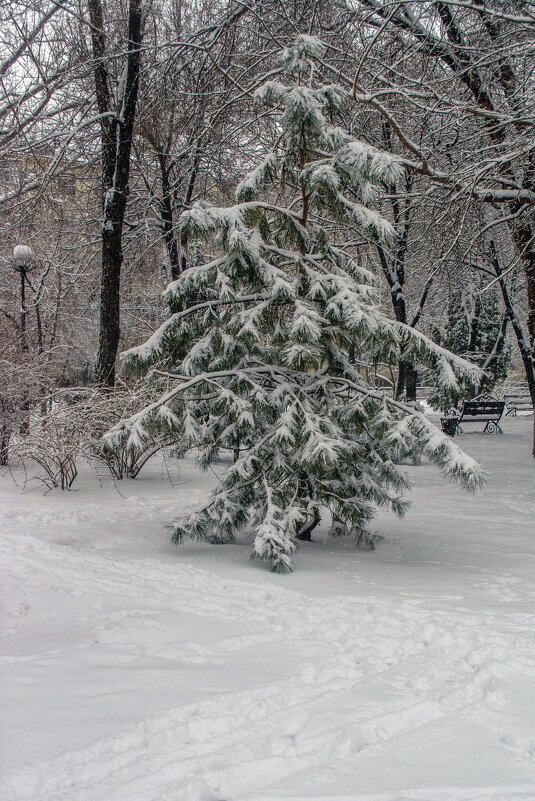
pixel 136 671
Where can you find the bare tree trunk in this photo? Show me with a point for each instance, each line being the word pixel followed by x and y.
pixel 187 200
pixel 407 375
pixel 407 381
pixel 109 331
pixel 117 122
pixel 523 235
pixel 393 266
pixel 5 436
pixel 166 213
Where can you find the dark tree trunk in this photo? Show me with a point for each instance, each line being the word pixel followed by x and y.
pixel 166 213
pixel 524 239
pixel 407 380
pixel 5 436
pixel 410 383
pixel 109 332
pixel 407 375
pixel 305 533
pixel 117 123
pixel 303 530
pixel 474 325
pixel 393 266
pixel 187 201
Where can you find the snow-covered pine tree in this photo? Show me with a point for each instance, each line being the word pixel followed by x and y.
pixel 285 316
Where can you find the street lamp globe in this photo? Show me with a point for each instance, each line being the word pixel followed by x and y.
pixel 23 258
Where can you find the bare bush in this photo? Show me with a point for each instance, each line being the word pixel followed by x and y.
pixel 68 426
pixel 22 378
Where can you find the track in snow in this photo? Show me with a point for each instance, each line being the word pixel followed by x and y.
pixel 292 694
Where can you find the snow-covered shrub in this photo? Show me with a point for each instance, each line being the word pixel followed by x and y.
pixel 272 375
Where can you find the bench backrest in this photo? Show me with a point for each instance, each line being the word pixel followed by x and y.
pixel 518 398
pixel 483 407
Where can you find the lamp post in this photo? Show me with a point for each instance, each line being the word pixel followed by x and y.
pixel 23 262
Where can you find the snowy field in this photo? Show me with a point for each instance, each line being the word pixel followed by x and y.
pixel 137 671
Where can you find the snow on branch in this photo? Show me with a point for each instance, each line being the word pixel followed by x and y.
pixel 449 366
pixel 151 350
pixel 374 165
pixel 257 179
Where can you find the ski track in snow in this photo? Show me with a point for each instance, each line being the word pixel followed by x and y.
pixel 375 670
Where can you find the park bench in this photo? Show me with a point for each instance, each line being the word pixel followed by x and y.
pixel 482 410
pixel 518 400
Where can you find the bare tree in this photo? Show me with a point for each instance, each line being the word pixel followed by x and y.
pixel 466 68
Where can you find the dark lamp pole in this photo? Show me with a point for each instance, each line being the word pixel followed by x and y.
pixel 23 262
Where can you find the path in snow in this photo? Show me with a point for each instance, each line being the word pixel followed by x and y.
pixel 134 670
